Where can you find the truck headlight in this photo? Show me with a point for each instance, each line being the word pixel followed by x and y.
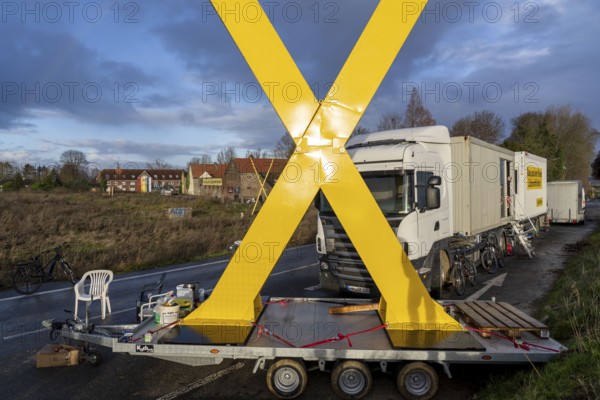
pixel 324 266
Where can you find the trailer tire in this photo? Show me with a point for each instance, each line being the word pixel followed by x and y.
pixel 417 381
pixel 351 379
pixel 287 378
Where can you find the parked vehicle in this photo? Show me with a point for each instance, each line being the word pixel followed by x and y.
pixel 483 190
pixel 566 202
pixel 28 276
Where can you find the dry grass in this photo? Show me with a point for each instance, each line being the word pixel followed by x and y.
pixel 124 232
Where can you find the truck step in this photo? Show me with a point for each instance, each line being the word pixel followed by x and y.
pixel 501 317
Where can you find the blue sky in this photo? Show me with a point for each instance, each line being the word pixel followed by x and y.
pixel 132 81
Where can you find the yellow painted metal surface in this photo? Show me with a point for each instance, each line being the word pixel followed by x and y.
pixel 320 131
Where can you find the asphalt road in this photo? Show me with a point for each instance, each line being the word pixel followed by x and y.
pixel 124 376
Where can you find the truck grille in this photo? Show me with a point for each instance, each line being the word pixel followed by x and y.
pixel 344 259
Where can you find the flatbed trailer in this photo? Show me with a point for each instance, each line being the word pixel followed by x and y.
pixel 292 333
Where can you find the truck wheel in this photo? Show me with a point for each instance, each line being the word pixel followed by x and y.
pixel 417 381
pixel 351 380
pixel 458 280
pixel 287 378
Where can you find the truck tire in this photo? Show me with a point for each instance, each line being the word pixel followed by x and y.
pixel 351 379
pixel 417 381
pixel 287 378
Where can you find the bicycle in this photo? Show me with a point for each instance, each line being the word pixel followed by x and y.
pixel 28 276
pixel 491 255
pixel 462 269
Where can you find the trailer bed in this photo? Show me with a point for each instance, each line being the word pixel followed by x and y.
pixel 304 329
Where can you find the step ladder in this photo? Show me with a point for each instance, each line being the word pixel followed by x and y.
pixel 522 229
pixel 522 232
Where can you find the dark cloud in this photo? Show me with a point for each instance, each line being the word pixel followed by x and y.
pixel 56 72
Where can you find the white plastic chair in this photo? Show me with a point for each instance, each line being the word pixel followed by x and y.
pixel 99 280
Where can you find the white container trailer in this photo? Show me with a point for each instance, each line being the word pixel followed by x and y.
pixel 480 175
pixel 530 189
pixel 566 202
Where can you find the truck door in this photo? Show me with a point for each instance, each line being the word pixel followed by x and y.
pixel 429 221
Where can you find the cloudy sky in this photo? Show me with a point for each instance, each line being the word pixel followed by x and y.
pixel 133 81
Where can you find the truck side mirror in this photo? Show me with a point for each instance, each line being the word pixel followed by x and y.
pixel 433 192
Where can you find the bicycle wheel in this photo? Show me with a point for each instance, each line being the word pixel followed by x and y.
pixel 489 262
pixel 68 271
pixel 27 279
pixel 471 272
pixel 458 279
pixel 499 255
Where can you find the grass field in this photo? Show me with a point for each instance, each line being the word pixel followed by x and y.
pixel 122 233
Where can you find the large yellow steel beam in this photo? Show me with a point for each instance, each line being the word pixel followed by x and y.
pixel 320 131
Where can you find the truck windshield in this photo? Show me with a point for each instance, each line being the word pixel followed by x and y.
pixel 391 191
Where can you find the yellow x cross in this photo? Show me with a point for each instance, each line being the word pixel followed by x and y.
pixel 320 130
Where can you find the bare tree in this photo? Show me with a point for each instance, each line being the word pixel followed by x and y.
pixel 226 155
pixel 285 147
pixel 416 113
pixel 158 164
pixel 484 125
pixel 389 121
pixel 360 130
pixel 73 166
pixel 257 153
pixel 202 159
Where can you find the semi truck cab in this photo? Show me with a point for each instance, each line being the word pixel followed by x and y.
pixel 404 170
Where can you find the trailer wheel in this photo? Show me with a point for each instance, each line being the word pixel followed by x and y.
pixel 287 378
pixel 351 380
pixel 417 381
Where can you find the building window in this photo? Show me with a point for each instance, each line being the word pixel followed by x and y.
pixel 107 176
pixel 131 183
pixel 132 176
pixel 155 176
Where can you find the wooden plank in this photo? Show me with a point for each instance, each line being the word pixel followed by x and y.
pixel 482 320
pixel 505 321
pixel 502 317
pixel 353 308
pixel 530 320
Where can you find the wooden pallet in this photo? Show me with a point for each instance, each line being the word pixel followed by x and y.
pixel 500 317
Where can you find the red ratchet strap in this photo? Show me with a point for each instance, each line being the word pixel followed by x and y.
pixel 264 330
pixel 283 303
pixel 519 344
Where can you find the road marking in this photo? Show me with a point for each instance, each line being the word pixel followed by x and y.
pixel 497 281
pixel 202 382
pixel 313 288
pixel 148 274
pixel 294 269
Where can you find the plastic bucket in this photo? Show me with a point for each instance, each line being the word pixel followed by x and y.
pixel 166 314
